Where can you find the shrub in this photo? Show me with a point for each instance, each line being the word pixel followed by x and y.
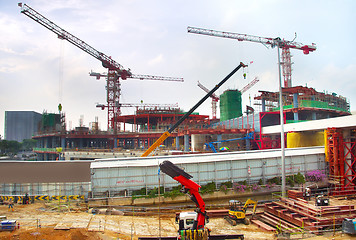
pixel 224 188
pixel 299 178
pixel 290 181
pixel 256 187
pixel 268 186
pixel 208 188
pixel 239 187
pixel 173 193
pixel 315 175
pixel 228 184
pixel 140 192
pixel 275 180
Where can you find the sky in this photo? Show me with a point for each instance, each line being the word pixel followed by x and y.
pixel 38 71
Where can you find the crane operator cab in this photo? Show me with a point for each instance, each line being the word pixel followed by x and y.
pixel 186 220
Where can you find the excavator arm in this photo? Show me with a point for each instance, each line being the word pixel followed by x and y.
pixel 250 202
pixel 188 186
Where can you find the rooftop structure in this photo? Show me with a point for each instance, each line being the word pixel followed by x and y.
pixel 303 103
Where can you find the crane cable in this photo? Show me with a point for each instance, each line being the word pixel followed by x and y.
pixel 60 75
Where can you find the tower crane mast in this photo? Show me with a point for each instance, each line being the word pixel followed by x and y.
pixel 285 45
pixel 115 70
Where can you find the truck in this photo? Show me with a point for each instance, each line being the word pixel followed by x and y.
pixel 192 225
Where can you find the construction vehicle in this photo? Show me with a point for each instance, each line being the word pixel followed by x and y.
pixel 321 200
pixel 237 212
pixel 166 134
pixel 191 224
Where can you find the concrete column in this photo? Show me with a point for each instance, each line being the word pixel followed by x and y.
pixel 219 137
pixel 115 142
pixel 263 104
pixel 186 143
pixel 248 144
pixel 63 143
pixel 177 143
pixel 313 115
pixel 80 143
pixel 264 172
pixel 295 105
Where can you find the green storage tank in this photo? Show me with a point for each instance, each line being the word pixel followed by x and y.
pixel 230 105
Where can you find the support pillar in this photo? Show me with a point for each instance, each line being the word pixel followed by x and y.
pixel 186 143
pixel 263 104
pixel 219 137
pixel 295 105
pixel 177 143
pixel 248 144
pixel 313 115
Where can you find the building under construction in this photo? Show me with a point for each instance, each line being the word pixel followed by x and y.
pixel 197 132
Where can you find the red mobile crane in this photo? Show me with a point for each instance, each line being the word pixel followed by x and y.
pixel 115 70
pixel 285 45
pixel 191 224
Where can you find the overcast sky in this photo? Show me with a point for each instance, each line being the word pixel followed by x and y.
pixel 38 71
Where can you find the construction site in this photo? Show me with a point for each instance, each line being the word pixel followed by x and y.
pixel 283 167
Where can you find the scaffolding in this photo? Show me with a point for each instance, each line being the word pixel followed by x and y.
pixel 341 156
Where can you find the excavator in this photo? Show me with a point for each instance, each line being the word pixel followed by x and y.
pixel 237 212
pixel 191 224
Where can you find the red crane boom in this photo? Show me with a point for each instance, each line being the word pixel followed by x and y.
pixel 285 45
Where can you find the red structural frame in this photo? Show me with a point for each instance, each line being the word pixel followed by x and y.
pixel 266 141
pixel 341 156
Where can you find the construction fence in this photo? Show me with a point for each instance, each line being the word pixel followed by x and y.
pixel 44 191
pixel 39 198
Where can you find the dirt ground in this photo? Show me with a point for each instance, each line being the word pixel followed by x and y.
pixel 52 221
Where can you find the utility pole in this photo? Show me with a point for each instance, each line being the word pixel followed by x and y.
pixel 283 170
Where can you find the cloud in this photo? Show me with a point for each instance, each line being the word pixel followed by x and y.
pixel 157 60
pixel 150 37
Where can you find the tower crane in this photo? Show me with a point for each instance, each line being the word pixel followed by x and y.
pixel 285 45
pixel 215 98
pixel 115 70
pixel 141 77
pixel 249 85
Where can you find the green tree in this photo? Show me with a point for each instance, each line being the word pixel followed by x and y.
pixel 9 147
pixel 28 144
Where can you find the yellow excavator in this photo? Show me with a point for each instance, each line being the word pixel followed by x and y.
pixel 237 212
